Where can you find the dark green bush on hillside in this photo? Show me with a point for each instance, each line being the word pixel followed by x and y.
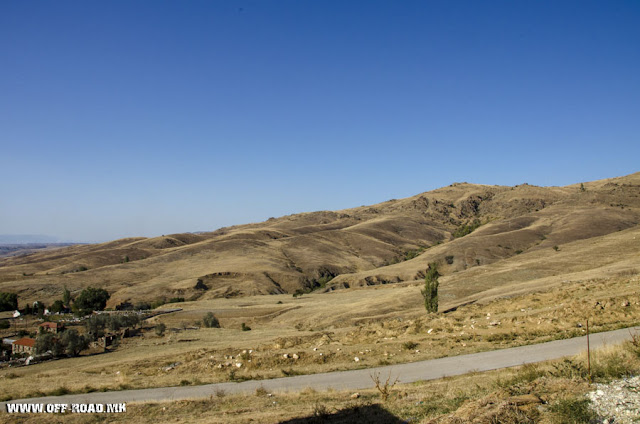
pixel 465 229
pixel 210 321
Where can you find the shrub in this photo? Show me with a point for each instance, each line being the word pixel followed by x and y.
pixel 160 328
pixel 200 285
pixel 465 229
pixel 449 259
pixel 245 327
pixel 409 345
pixel 573 410
pixel 176 300
pixel 4 324
pixel 210 321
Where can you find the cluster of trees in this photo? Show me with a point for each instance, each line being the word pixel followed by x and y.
pixel 97 324
pixel 8 301
pixel 89 300
pixel 69 342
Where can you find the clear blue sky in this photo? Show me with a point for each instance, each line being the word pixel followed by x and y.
pixel 142 118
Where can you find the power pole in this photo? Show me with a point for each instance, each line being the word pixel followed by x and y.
pixel 588 352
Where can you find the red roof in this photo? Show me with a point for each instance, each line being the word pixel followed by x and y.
pixel 26 341
pixel 51 325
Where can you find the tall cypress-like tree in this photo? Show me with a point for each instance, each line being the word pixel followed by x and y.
pixel 430 291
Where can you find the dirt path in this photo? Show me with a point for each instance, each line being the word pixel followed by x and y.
pixel 357 379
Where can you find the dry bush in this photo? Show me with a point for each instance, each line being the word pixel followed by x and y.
pixel 383 388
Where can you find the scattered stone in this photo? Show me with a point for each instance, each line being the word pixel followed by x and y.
pixel 356 359
pixel 430 331
pixel 617 402
pixel 355 395
pixel 285 356
pixel 238 365
pixel 295 356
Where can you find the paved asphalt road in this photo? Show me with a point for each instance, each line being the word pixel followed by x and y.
pixel 357 379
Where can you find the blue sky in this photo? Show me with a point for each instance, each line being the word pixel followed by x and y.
pixel 142 118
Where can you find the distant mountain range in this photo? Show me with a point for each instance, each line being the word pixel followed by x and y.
pixel 27 239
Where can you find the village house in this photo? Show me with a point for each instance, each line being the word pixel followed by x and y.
pixel 52 327
pixel 24 345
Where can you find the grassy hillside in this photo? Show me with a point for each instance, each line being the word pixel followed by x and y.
pixel 530 237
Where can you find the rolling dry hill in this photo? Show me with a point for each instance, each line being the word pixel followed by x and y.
pixel 529 237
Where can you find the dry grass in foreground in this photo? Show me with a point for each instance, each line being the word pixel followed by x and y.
pixel 549 392
pixel 205 355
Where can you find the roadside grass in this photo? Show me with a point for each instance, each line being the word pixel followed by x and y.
pixel 547 392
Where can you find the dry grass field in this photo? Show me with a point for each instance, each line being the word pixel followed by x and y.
pixel 327 331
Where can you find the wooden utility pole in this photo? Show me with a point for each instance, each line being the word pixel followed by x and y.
pixel 588 352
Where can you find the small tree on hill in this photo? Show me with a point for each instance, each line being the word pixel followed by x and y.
pixel 430 291
pixel 210 321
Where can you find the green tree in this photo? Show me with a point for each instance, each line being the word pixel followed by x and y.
pixel 210 321
pixel 66 297
pixel 38 308
pixel 91 299
pixel 8 301
pixel 58 306
pixel 73 342
pixel 430 291
pixel 44 342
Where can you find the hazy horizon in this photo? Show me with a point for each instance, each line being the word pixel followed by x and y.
pixel 124 119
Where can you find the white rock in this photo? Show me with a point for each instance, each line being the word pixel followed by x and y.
pixel 356 359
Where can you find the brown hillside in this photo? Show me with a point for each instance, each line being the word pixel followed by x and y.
pixel 593 230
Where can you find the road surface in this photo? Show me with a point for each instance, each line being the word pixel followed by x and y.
pixel 356 379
